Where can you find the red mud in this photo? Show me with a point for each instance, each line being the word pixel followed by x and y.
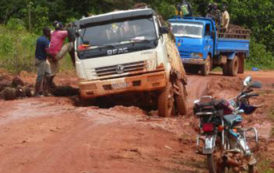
pixel 48 135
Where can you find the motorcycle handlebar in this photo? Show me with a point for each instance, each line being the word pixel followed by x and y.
pixel 252 95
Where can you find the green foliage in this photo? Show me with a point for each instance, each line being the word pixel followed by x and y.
pixel 166 10
pixel 16 24
pixel 16 49
pixel 256 15
pixel 259 56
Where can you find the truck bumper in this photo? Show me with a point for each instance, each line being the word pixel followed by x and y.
pixel 193 61
pixel 144 82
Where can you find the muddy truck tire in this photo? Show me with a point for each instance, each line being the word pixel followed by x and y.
pixel 206 68
pixel 233 66
pixel 166 101
pixel 180 98
pixel 177 79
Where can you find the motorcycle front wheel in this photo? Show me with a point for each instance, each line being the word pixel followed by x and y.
pixel 212 165
pixel 251 169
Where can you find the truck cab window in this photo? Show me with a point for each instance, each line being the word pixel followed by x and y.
pixel 207 29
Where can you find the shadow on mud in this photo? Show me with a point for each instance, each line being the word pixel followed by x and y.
pixel 65 91
pixel 130 99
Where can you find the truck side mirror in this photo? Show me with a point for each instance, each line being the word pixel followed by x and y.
pixel 164 30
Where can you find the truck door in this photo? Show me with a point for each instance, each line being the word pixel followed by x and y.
pixel 208 39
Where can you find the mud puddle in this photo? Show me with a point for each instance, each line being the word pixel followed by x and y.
pixel 51 134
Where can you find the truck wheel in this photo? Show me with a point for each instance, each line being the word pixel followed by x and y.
pixel 233 66
pixel 166 101
pixel 191 69
pixel 181 98
pixel 241 64
pixel 207 66
pixel 225 70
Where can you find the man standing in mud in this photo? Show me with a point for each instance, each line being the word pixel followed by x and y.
pixel 43 67
pixel 57 50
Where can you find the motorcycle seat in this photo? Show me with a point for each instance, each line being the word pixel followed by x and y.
pixel 232 119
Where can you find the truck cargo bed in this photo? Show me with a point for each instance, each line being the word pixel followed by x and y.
pixel 232 45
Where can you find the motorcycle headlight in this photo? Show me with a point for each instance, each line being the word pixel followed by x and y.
pixel 196 55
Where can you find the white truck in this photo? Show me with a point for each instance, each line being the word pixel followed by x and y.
pixel 126 51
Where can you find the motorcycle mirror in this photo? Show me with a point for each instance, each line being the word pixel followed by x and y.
pixel 247 80
pixel 196 101
pixel 255 85
pixel 241 111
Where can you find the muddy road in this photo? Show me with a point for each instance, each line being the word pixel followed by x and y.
pixel 53 135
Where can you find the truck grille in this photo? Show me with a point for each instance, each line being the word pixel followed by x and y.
pixel 185 54
pixel 120 69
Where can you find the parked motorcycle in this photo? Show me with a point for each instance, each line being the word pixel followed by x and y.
pixel 222 138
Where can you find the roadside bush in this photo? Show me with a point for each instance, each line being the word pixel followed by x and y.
pixel 259 56
pixel 16 24
pixel 16 48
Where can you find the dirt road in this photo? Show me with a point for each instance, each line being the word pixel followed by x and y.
pixel 52 135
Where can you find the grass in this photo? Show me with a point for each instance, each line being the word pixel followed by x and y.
pixel 264 166
pixel 17 50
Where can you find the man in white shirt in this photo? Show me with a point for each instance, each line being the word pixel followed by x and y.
pixel 225 18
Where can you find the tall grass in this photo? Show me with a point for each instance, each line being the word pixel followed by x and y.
pixel 17 48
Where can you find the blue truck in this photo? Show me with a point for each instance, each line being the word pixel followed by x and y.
pixel 202 47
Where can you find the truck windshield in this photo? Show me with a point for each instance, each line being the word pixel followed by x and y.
pixel 192 30
pixel 117 33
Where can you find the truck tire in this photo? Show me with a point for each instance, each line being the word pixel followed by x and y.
pixel 181 98
pixel 192 69
pixel 166 101
pixel 233 66
pixel 207 66
pixel 241 64
pixel 225 70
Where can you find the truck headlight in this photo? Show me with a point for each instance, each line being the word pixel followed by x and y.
pixel 196 55
pixel 151 64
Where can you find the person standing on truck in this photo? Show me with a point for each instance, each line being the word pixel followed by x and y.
pixel 43 67
pixel 184 9
pixel 58 49
pixel 225 18
pixel 214 13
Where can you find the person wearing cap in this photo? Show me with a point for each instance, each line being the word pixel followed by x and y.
pixel 225 18
pixel 58 49
pixel 43 67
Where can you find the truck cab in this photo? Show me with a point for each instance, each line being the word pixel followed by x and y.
pixel 121 52
pixel 202 47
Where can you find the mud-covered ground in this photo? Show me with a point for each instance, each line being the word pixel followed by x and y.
pixel 53 135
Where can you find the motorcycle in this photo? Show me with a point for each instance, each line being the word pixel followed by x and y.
pixel 222 138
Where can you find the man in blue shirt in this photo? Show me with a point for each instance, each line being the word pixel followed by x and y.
pixel 43 66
